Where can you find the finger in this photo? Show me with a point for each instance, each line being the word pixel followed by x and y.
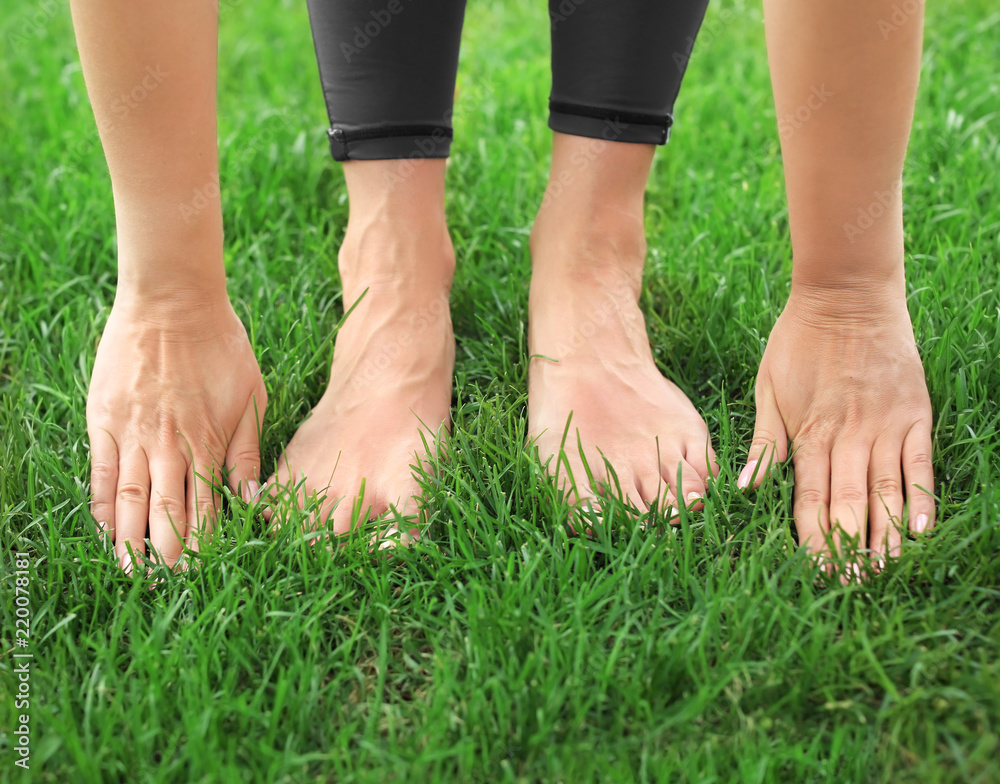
pixel 849 493
pixel 885 497
pixel 202 501
pixel 812 495
pixel 919 473
pixel 103 479
pixel 131 506
pixel 167 507
pixel 243 455
pixel 770 441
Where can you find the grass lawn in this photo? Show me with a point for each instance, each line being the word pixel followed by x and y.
pixel 499 649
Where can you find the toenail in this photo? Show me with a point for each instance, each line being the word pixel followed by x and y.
pixel 694 497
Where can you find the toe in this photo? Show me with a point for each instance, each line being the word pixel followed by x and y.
pixel 692 486
pixel 685 482
pixel 700 456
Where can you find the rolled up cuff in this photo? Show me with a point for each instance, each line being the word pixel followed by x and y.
pixel 389 142
pixel 609 124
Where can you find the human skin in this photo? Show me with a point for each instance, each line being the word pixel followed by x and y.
pixel 388 400
pixel 176 394
pixel 589 352
pixel 841 378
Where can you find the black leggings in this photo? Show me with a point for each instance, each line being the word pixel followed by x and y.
pixel 388 70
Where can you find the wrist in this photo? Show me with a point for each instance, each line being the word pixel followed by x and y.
pixel 862 300
pixel 163 260
pixel 873 270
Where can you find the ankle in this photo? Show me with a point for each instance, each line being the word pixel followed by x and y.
pixel 607 248
pixel 410 258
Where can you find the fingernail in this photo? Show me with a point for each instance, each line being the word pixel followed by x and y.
pixel 921 523
pixel 745 474
pixel 251 490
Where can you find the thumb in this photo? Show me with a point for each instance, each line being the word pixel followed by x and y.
pixel 770 441
pixel 243 456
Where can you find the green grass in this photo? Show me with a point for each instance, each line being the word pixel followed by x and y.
pixel 499 649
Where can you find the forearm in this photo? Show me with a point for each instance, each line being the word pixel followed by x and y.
pixel 844 74
pixel 150 69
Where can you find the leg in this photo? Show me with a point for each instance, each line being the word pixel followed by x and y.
pixel 841 376
pixel 590 355
pixel 390 384
pixel 176 393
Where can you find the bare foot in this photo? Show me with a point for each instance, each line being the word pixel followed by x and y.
pixel 590 356
pixel 176 393
pixel 390 383
pixel 841 378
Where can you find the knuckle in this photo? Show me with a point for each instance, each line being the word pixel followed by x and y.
pixel 886 486
pixel 137 543
pixel 245 458
pixel 920 459
pixel 102 511
pixel 133 493
pixel 168 507
pixel 205 507
pixel 810 496
pixel 852 494
pixel 103 471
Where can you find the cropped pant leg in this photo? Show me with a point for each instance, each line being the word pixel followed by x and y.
pixel 617 66
pixel 388 71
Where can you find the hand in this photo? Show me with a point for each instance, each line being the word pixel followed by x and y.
pixel 176 393
pixel 841 378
